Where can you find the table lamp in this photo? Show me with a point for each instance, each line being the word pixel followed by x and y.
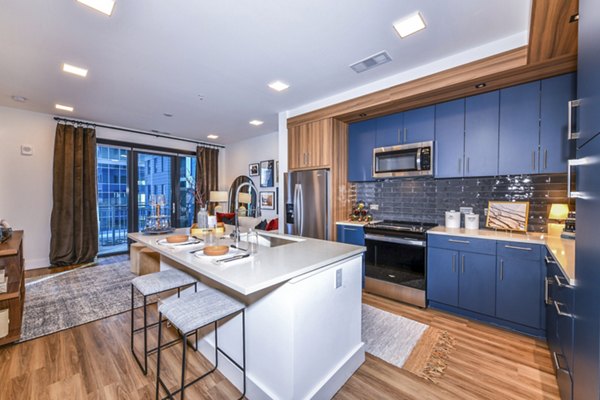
pixel 218 197
pixel 558 212
pixel 243 198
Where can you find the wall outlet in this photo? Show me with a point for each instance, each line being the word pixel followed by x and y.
pixel 485 210
pixel 374 207
pixel 338 278
pixel 466 210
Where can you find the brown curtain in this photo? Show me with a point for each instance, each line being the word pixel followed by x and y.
pixel 207 171
pixel 74 222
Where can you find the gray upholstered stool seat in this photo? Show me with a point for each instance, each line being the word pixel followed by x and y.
pixel 152 284
pixel 162 281
pixel 199 309
pixel 190 313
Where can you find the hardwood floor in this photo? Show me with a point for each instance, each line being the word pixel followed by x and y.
pixel 93 361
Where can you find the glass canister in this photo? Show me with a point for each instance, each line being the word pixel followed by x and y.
pixel 202 218
pixel 252 241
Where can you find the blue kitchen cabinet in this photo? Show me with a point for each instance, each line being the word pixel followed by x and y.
pixel 353 234
pixel 449 139
pixel 588 65
pixel 390 130
pixel 481 134
pixel 519 129
pixel 361 141
pixel 419 125
pixel 519 284
pixel 476 283
pixel 555 147
pixel 442 276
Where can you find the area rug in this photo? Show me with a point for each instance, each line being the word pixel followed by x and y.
pixel 67 299
pixel 407 344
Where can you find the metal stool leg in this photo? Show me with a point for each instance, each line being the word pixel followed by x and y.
pixel 183 366
pixel 158 381
pixel 146 337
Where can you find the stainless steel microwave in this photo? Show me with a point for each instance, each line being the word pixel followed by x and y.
pixel 414 159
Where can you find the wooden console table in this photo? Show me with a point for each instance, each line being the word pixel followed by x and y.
pixel 11 260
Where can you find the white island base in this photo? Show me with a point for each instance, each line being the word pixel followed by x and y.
pixel 303 338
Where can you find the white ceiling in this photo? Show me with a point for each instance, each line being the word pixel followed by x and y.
pixel 155 56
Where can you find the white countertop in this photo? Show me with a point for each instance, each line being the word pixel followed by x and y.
pixel 271 266
pixel 562 249
pixel 359 223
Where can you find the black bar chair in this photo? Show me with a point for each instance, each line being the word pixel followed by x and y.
pixel 191 313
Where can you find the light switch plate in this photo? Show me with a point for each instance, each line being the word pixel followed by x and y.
pixel 374 207
pixel 338 278
pixel 466 210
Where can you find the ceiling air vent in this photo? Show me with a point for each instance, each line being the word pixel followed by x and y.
pixel 371 62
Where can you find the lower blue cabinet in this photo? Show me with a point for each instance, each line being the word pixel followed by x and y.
pixel 476 282
pixel 498 282
pixel 352 234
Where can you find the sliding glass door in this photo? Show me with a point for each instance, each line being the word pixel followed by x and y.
pixel 127 178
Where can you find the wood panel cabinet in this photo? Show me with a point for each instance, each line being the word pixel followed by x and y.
pixel 310 145
pixel 11 260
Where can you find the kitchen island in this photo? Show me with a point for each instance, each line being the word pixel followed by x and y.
pixel 303 317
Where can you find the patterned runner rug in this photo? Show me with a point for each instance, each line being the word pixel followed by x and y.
pixel 407 344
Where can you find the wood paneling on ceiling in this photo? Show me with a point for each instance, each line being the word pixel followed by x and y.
pixel 551 33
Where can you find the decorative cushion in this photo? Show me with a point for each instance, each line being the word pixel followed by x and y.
pixel 160 281
pixel 229 216
pixel 273 224
pixel 262 225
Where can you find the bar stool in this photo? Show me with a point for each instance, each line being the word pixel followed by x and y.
pixel 153 284
pixel 193 312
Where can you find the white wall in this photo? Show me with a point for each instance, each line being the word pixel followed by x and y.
pixel 26 181
pixel 254 150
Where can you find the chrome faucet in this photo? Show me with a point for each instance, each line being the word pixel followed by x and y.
pixel 236 231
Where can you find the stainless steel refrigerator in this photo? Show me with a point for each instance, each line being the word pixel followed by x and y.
pixel 306 205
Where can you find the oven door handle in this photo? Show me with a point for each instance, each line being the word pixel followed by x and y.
pixel 391 239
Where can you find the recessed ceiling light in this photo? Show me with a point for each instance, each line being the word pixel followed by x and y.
pixel 256 122
pixel 71 69
pixel 480 85
pixel 278 85
pixel 104 6
pixel 213 136
pixel 409 25
pixel 19 99
pixel 64 108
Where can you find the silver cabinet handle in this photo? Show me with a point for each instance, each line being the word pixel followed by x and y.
pixel 468 169
pixel 549 260
pixel 501 269
pixel 546 291
pixel 570 133
pixel 459 165
pixel 560 284
pixel 405 130
pixel 459 241
pixel 570 164
pixel 463 264
pixel 453 262
pixel 545 158
pixel 533 160
pixel 349 229
pixel 508 246
pixel 557 365
pixel 559 312
pixel 399 140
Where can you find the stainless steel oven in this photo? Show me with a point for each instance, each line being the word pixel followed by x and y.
pixel 395 261
pixel 415 159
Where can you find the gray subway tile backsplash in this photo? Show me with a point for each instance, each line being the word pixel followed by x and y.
pixel 426 199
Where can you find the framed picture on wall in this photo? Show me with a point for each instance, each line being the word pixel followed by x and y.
pixel 508 215
pixel 267 200
pixel 266 173
pixel 253 169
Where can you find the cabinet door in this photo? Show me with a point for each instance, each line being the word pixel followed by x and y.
pixel 419 125
pixel 449 139
pixel 588 65
pixel 318 139
pixel 353 234
pixel 555 148
pixel 296 155
pixel 361 141
pixel 519 129
pixel 442 276
pixel 340 234
pixel 519 296
pixel 477 283
pixel 389 130
pixel 481 134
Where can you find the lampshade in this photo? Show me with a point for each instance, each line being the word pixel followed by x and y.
pixel 559 211
pixel 245 197
pixel 219 196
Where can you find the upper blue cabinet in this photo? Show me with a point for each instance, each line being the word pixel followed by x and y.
pixel 519 129
pixel 481 134
pixel 588 67
pixel 408 127
pixel 361 141
pixel 555 148
pixel 449 148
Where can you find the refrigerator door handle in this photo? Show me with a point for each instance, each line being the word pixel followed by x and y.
pixel 296 209
pixel 301 209
pixel 570 164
